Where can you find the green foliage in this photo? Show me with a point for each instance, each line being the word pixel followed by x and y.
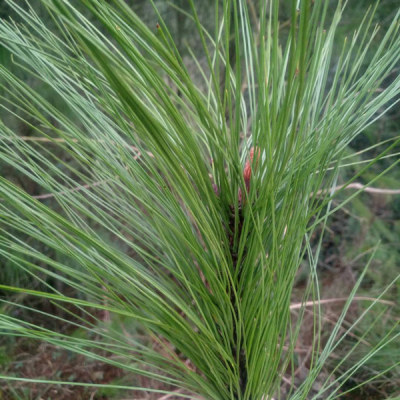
pixel 159 213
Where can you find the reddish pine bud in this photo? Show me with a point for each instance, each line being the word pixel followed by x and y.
pixel 248 167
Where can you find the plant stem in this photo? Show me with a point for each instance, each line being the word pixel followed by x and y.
pixel 238 351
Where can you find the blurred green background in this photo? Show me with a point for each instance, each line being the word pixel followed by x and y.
pixel 352 233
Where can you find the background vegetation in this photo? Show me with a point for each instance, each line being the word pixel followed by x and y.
pixel 368 219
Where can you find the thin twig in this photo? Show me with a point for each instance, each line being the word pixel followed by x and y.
pixel 360 186
pixel 369 189
pixel 296 306
pixel 93 394
pixel 75 189
pixel 167 396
